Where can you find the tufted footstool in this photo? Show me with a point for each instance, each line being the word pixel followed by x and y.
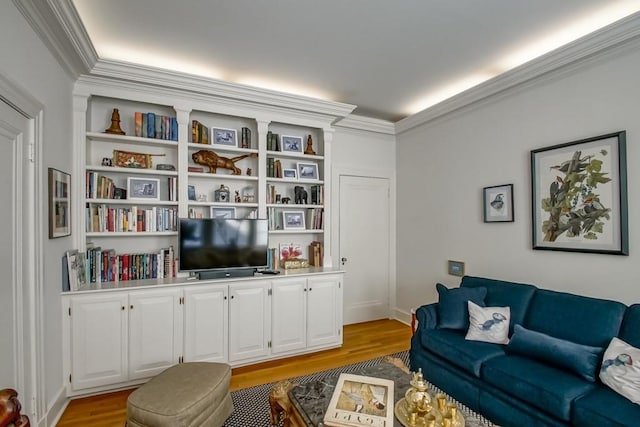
pixel 185 395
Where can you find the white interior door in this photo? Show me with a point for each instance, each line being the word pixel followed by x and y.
pixel 365 247
pixel 14 293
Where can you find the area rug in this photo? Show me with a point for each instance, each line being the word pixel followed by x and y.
pixel 251 405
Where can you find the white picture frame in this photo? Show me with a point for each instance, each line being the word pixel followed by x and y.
pixel 143 188
pixel 218 212
pixel 224 136
pixel 290 174
pixel 292 144
pixel 293 220
pixel 307 170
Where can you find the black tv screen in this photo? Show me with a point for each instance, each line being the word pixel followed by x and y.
pixel 213 243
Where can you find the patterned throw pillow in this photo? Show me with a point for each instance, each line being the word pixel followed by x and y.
pixel 488 324
pixel 620 369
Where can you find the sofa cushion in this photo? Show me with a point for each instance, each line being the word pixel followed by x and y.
pixel 516 296
pixel 488 324
pixel 621 369
pixel 630 329
pixel 451 346
pixel 545 387
pixel 595 410
pixel 452 306
pixel 580 359
pixel 575 318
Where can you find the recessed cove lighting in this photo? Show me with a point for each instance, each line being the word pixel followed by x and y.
pixel 283 87
pixel 158 60
pixel 541 45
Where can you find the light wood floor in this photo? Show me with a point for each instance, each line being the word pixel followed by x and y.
pixel 361 342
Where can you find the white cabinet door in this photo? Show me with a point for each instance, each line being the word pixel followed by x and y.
pixel 249 315
pixel 98 340
pixel 155 332
pixel 324 311
pixel 205 323
pixel 288 315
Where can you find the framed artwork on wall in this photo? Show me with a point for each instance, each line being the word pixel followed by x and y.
pixel 455 268
pixel 498 203
pixel 579 196
pixel 59 204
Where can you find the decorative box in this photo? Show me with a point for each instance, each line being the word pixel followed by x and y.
pixel 290 264
pixel 221 194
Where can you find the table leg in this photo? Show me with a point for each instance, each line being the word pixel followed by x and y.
pixel 281 406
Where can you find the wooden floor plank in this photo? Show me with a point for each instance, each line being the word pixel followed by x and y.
pixel 361 342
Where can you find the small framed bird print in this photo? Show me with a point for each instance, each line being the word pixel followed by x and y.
pixel 498 203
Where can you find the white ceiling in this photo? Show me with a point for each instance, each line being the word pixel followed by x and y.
pixel 391 58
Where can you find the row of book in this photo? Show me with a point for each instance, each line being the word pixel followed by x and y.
pixel 316 254
pixel 97 265
pixel 102 187
pixel 274 168
pixel 273 141
pixel 273 259
pixel 315 219
pixel 199 133
pixel 102 218
pixel 151 125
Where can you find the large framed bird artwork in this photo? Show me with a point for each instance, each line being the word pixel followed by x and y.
pixel 498 203
pixel 579 196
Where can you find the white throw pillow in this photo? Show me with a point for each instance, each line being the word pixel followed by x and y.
pixel 488 324
pixel 620 369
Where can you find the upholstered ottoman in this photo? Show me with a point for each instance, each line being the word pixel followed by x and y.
pixel 185 395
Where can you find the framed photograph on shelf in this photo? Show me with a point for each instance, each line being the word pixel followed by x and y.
pixel 222 212
pixel 307 170
pixel 222 136
pixel 455 268
pixel 579 196
pixel 291 143
pixel 59 204
pixel 498 203
pixel 289 251
pixel 291 174
pixel 191 192
pixel 143 188
pixel 293 220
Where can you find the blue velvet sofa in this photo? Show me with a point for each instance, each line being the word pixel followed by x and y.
pixel 523 389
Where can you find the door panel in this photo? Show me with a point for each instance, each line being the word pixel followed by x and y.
pixel 364 243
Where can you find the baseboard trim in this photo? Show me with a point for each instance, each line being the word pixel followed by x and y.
pixel 403 316
pixel 55 409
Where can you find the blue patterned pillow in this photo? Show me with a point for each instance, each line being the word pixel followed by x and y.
pixel 452 305
pixel 582 360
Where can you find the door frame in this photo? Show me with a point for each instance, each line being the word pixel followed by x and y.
pixel 31 340
pixel 337 173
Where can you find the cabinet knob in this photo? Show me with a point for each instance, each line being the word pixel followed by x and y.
pixel 310 289
pixel 343 260
pixel 131 306
pixel 123 307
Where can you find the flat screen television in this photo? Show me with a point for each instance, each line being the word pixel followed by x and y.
pixel 215 244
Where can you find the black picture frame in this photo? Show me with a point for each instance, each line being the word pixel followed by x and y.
pixel 498 203
pixel 59 203
pixel 579 196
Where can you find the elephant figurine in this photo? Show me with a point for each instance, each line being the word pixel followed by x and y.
pixel 300 195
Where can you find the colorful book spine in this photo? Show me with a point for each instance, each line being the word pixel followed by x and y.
pixel 138 123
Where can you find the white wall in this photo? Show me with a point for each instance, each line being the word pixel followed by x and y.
pixel 364 153
pixel 443 166
pixel 26 61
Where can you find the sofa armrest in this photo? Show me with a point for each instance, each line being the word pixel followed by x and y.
pixel 427 317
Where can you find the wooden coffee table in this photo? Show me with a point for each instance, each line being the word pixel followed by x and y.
pixel 304 405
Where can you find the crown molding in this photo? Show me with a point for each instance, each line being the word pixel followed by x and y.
pixel 587 47
pixel 58 25
pixel 355 121
pixel 192 83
